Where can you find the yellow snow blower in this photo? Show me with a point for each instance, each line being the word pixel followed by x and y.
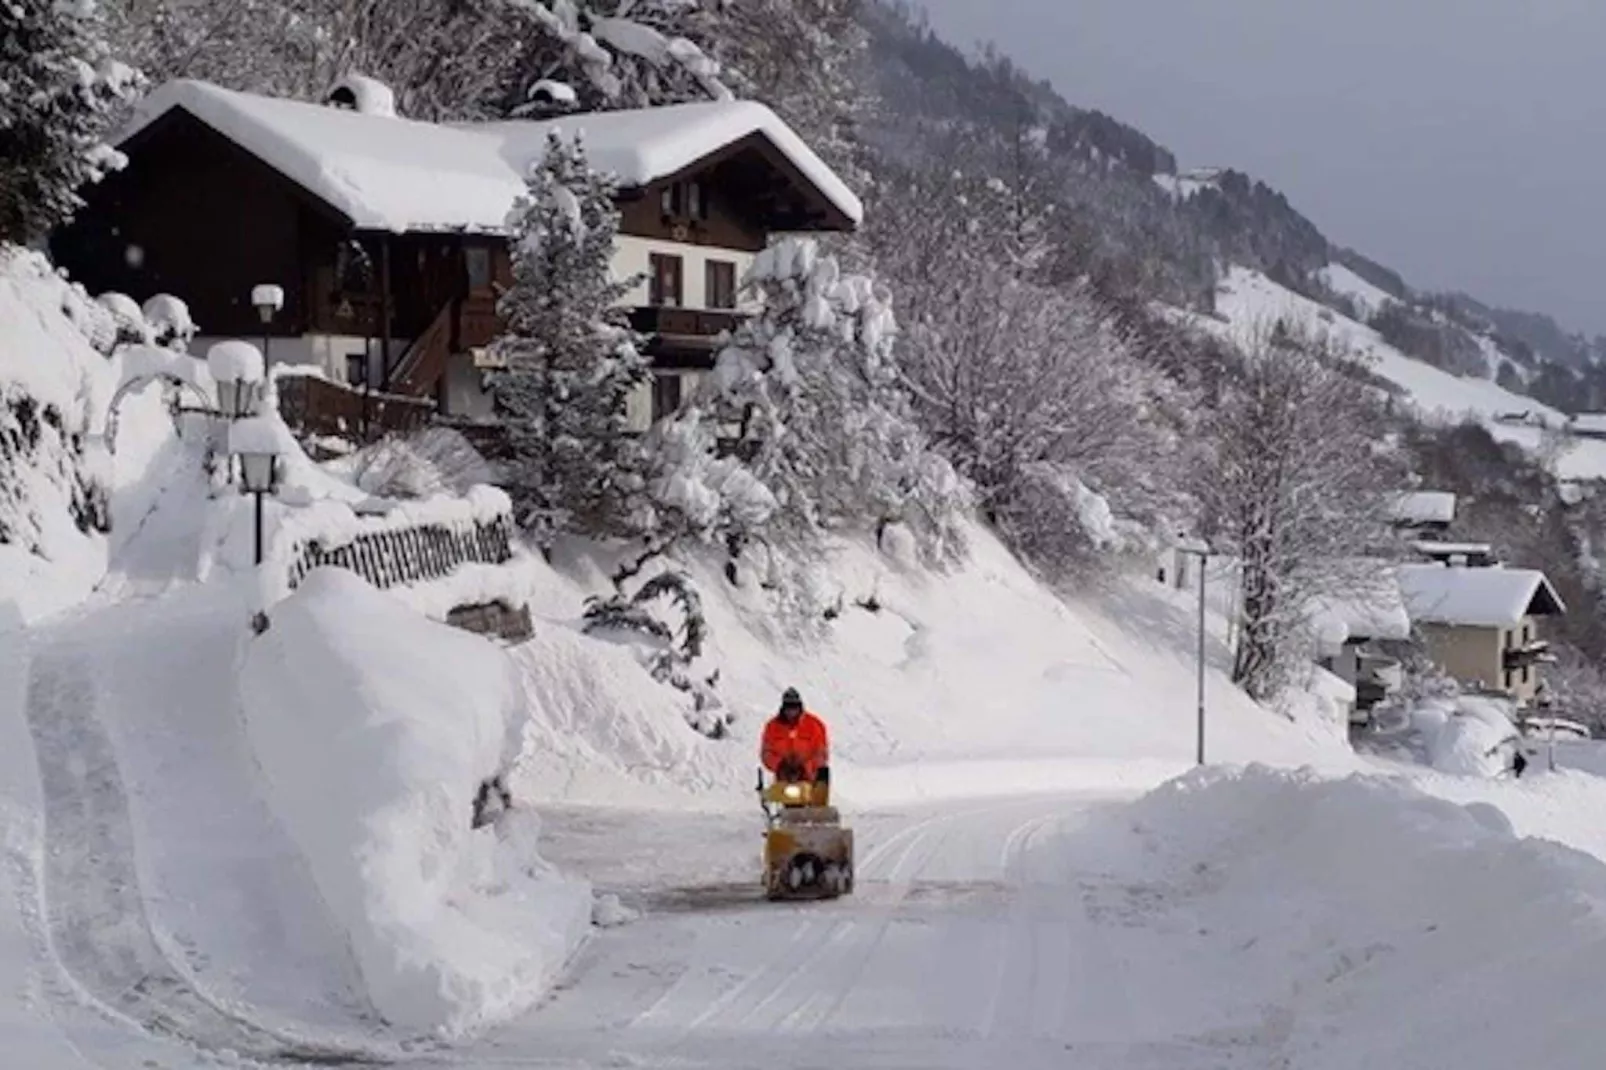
pixel 807 852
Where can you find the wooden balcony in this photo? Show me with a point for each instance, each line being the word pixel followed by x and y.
pixel 683 338
pixel 685 325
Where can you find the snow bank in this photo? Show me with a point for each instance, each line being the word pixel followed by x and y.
pixel 1366 922
pixel 55 388
pixel 374 729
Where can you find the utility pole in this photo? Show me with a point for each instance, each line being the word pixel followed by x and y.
pixel 1199 549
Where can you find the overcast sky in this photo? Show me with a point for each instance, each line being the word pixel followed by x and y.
pixel 1462 142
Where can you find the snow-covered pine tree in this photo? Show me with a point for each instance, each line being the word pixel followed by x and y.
pixel 570 360
pixel 811 388
pixel 59 88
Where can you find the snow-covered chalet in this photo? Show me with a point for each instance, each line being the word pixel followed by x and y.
pixel 388 235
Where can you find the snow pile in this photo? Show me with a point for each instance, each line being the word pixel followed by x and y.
pixel 1365 922
pixel 1467 736
pixel 374 729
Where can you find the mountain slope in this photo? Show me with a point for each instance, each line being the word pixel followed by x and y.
pixel 1129 214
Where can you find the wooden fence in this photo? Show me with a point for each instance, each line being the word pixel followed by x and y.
pixel 410 555
pixel 312 405
pixel 423 553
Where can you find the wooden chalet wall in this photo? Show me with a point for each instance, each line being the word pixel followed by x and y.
pixel 195 216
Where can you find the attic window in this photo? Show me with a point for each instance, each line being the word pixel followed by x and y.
pixel 683 201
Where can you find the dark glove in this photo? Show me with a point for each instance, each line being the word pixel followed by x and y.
pixel 789 769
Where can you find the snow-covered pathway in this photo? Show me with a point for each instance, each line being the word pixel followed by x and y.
pixel 169 893
pixel 965 946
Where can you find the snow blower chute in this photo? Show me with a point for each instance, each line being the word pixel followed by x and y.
pixel 807 852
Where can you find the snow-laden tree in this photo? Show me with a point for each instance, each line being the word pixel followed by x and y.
pixel 1295 488
pixel 60 90
pixel 1033 393
pixel 808 60
pixel 620 53
pixel 570 360
pixel 444 59
pixel 810 393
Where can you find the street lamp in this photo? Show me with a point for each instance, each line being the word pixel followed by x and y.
pixel 268 299
pixel 255 441
pixel 1200 549
pixel 237 369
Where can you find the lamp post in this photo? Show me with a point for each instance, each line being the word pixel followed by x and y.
pixel 1200 549
pixel 256 442
pixel 268 299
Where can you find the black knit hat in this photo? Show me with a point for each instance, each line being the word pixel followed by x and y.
pixel 791 700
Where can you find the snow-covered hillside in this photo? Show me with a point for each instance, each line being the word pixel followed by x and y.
pixel 1247 301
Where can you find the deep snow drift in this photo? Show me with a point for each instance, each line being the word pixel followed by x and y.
pixel 374 728
pixel 1350 923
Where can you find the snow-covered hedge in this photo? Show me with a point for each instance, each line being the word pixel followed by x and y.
pixel 374 730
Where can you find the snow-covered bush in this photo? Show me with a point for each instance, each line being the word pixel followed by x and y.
pixel 169 320
pixel 673 650
pixel 128 316
pixel 420 464
pixel 53 486
pixel 811 391
pixel 570 361
pixel 59 91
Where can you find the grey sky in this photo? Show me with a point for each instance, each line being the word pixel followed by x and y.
pixel 1462 142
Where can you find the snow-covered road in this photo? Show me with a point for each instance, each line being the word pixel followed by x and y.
pixel 964 946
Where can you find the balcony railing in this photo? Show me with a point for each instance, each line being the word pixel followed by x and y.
pixel 1534 653
pixel 685 324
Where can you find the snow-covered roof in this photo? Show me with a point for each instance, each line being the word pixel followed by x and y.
pixel 400 175
pixel 1377 612
pixel 1590 423
pixel 1451 549
pixel 1424 507
pixel 1476 597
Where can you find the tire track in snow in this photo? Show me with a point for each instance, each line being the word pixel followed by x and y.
pixel 851 954
pixel 737 1003
pixel 95 913
pixel 1035 948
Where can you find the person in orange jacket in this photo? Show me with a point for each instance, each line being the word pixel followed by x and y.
pixel 796 746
